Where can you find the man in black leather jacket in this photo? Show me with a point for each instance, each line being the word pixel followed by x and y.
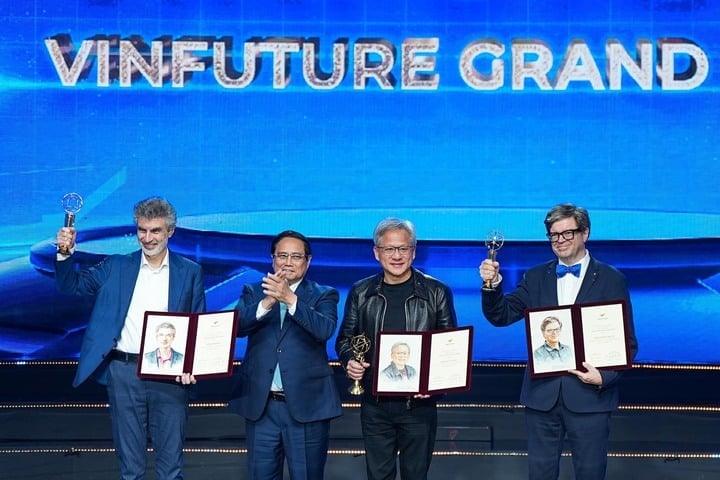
pixel 400 298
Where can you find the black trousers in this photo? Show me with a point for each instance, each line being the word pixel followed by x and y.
pixel 393 426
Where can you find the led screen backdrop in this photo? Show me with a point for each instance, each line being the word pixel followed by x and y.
pixel 326 116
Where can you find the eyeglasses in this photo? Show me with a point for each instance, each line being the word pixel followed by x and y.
pixel 294 257
pixel 390 251
pixel 567 235
pixel 553 330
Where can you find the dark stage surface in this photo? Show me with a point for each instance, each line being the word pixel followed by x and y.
pixel 667 428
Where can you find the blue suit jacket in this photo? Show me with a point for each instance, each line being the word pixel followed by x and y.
pixel 299 348
pixel 112 282
pixel 538 288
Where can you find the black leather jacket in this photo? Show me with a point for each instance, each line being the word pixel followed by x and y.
pixel 430 307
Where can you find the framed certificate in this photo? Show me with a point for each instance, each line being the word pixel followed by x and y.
pixel 202 344
pixel 562 338
pixel 428 363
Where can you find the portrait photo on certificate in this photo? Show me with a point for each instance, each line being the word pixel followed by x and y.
pixel 398 365
pixel 164 344
pixel 551 345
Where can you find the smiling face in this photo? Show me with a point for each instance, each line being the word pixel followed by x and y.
pixel 290 258
pixel 569 251
pixel 165 337
pixel 394 255
pixel 400 355
pixel 551 333
pixel 153 235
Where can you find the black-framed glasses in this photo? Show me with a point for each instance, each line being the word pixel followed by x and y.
pixel 553 330
pixel 566 235
pixel 390 251
pixel 294 257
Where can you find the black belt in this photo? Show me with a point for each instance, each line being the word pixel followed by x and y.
pixel 277 396
pixel 123 356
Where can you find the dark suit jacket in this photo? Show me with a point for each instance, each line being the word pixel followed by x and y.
pixel 112 282
pixel 300 349
pixel 538 288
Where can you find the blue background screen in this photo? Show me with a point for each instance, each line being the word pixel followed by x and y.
pixel 462 116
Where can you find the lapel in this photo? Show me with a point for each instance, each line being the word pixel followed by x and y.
pixel 130 268
pixel 176 280
pixel 591 276
pixel 551 281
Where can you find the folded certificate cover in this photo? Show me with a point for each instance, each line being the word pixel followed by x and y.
pixel 202 344
pixel 562 338
pixel 427 363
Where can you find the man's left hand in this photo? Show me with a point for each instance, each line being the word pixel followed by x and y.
pixel 186 379
pixel 591 376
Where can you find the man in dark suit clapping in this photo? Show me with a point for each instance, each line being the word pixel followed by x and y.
pixel 286 389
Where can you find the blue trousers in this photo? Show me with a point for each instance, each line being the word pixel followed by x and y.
pixel 141 406
pixel 276 436
pixel 391 427
pixel 587 434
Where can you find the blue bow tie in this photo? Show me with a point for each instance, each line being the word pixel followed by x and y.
pixel 562 270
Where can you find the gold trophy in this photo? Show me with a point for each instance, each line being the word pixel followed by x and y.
pixel 360 345
pixel 494 242
pixel 72 203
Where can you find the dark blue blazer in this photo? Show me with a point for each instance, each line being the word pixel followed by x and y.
pixel 299 348
pixel 538 288
pixel 112 282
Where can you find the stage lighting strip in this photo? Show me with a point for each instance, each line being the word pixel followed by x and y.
pixel 501 406
pixel 668 457
pixel 650 366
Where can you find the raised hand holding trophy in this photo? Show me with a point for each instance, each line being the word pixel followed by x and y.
pixel 360 345
pixel 72 203
pixel 494 242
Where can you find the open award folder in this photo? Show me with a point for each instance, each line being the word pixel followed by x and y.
pixel 562 338
pixel 427 363
pixel 202 344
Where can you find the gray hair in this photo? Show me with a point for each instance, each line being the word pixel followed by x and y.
pixel 167 325
pixel 392 223
pixel 399 344
pixel 155 207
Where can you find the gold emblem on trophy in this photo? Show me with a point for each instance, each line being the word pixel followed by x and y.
pixel 360 345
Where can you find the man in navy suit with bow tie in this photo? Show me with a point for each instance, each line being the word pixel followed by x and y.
pixel 285 388
pixel 579 404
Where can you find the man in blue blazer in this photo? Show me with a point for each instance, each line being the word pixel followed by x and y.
pixel 285 388
pixel 125 287
pixel 577 404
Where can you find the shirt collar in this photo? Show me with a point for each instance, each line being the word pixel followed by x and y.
pixel 584 262
pixel 165 262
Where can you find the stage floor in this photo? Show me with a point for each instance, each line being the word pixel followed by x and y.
pixel 48 430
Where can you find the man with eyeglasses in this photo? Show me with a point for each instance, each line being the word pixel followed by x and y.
pixel 552 350
pixel 285 387
pixel 578 404
pixel 400 298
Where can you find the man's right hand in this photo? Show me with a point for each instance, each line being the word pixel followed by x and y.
pixel 356 370
pixel 489 270
pixel 66 237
